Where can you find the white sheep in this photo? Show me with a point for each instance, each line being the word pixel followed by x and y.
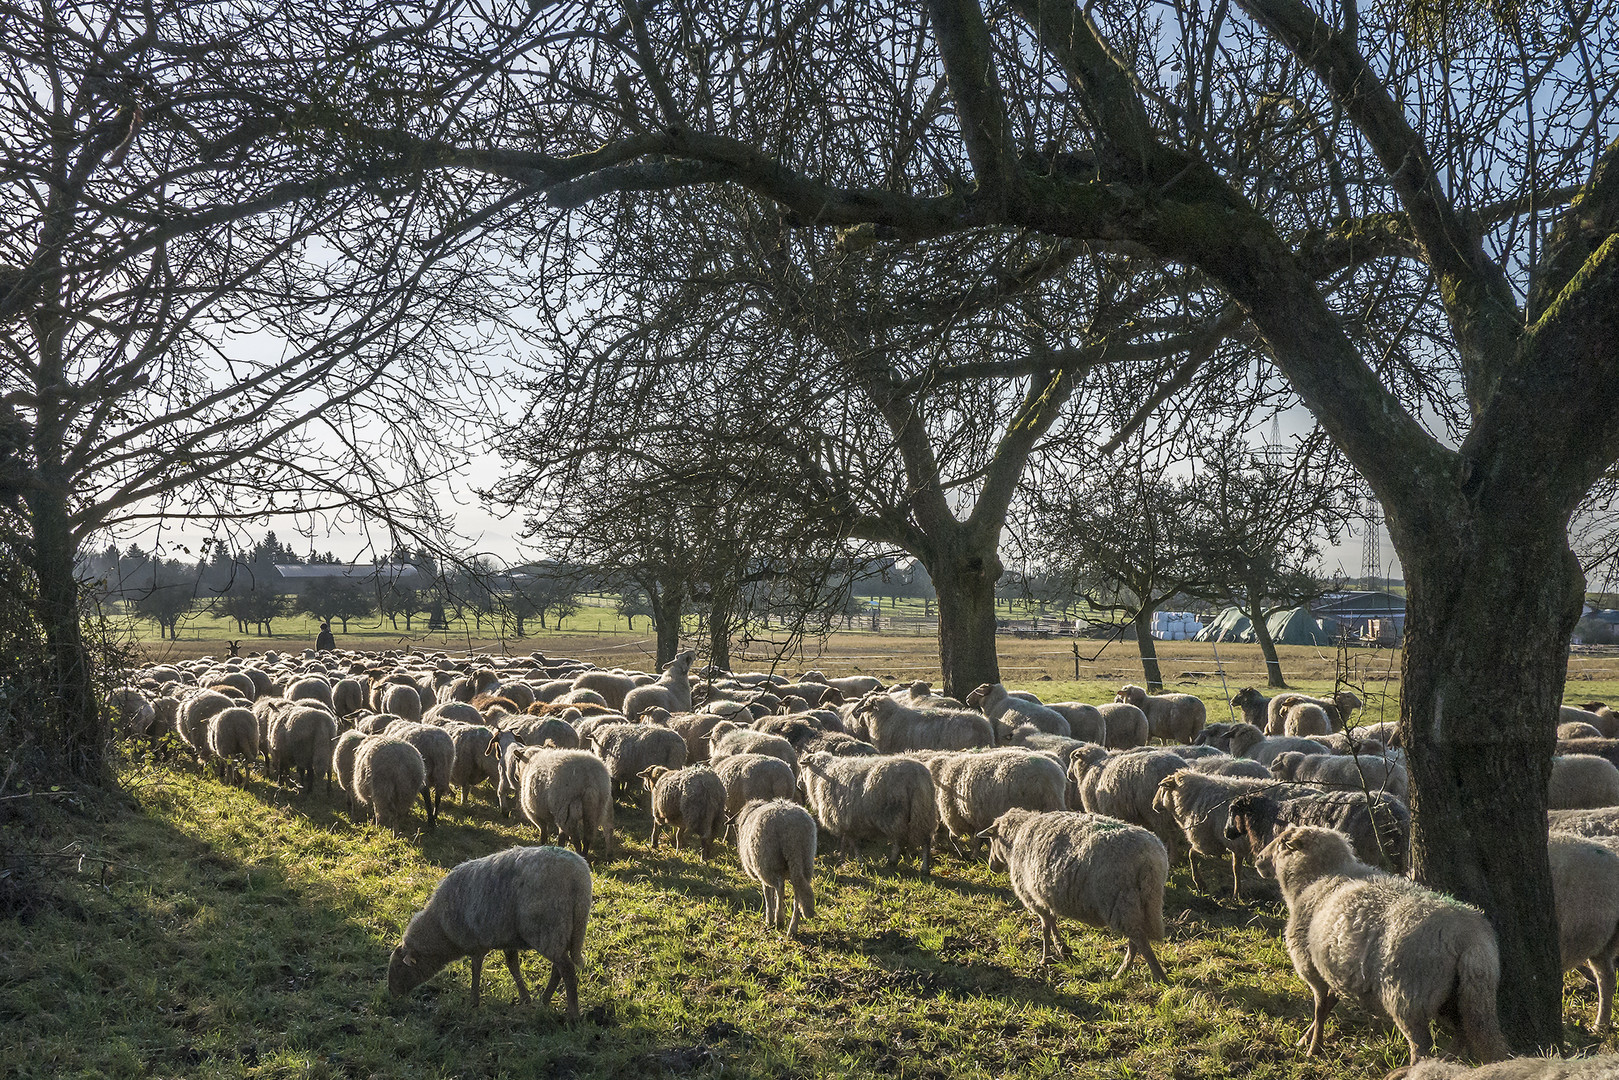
pixel 775 842
pixel 611 685
pixel 1198 803
pixel 628 749
pixel 1125 789
pixel 689 801
pixel 300 741
pixel 1085 722
pixel 672 691
pixel 233 741
pixel 748 741
pixel 388 775
pixel 1087 867
pixel 754 776
pixel 566 790
pixel 1245 740
pixel 1175 718
pixel 894 727
pixel 1384 941
pixel 1582 782
pixel 972 790
pixel 1125 725
pixel 873 798
pixel 1009 711
pixel 1338 772
pixel 1585 885
pixel 521 898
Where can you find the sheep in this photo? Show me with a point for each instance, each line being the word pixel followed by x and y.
pixel 1600 717
pixel 1247 741
pixel 343 754
pixel 521 898
pixel 1125 789
pixel 1197 802
pixel 775 842
pixel 694 727
pixel 348 696
pixel 1125 725
pixel 1582 782
pixel 191 720
pixel 1008 711
pixel 973 789
pixel 312 688
pixel 895 728
pixel 1577 730
pixel 754 776
pixel 691 800
pixel 566 790
pixel 1098 870
pixel 239 681
pixel 233 734
pixel 1387 942
pixel 537 731
pixel 1601 747
pixel 873 798
pixel 1085 722
pixel 1085 772
pixel 1032 738
pixel 474 761
pixel 748 741
pixel 519 693
pixel 837 743
pixel 1218 764
pixel 1338 708
pixel 1354 741
pixel 1603 821
pixel 628 749
pixel 1601 1067
pixel 388 774
pixel 438 756
pixel 672 691
pixel 458 711
pixel 1378 825
pixel 1306 718
pixel 1255 707
pixel 1175 718
pixel 165 716
pixel 135 714
pixel 1585 885
pixel 301 739
pixel 850 686
pixel 611 685
pixel 1335 772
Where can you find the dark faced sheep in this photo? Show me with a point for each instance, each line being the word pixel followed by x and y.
pixel 1378 827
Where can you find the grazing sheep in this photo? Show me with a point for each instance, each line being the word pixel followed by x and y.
pixel 388 775
pixel 1087 867
pixel 1379 827
pixel 343 754
pixel 301 739
pixel 1603 821
pixel 1245 740
pixel 1354 931
pixel 611 685
pixel 748 741
pixel 518 693
pixel 191 720
pixel 566 790
pixel 233 741
pixel 475 762
pixel 1126 788
pixel 973 789
pixel 1085 722
pixel 1585 883
pixel 775 842
pixel 1582 782
pixel 690 800
pixel 1601 1067
pixel 1577 730
pixel 1008 711
pixel 754 776
pixel 135 714
pixel 1125 725
pixel 312 688
pixel 1338 772
pixel 460 712
pixel 521 898
pixel 438 756
pixel 873 798
pixel 1175 718
pixel 896 728
pixel 1032 738
pixel 1085 772
pixel 348 696
pixel 629 749
pixel 672 691
pixel 1198 803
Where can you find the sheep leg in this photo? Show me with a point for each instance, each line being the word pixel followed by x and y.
pixel 927 860
pixel 570 984
pixel 654 833
pixel 1236 877
pixel 1603 970
pixel 1325 1001
pixel 477 976
pixel 512 965
pixel 427 806
pixel 792 922
pixel 677 831
pixel 1050 944
pixel 1129 958
pixel 1197 879
pixel 893 854
pixel 1145 948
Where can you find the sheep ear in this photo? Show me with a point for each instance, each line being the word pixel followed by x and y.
pixel 989 834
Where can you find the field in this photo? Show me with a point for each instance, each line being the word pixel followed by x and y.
pixel 185 928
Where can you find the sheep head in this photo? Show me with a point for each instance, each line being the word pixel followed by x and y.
pixel 1285 766
pixel 1131 694
pixel 652 774
pixel 1163 800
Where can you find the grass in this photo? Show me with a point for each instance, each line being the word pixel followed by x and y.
pixel 245 933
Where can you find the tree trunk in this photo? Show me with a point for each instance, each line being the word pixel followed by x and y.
pixel 1149 650
pixel 1491 606
pixel 965 581
pixel 719 637
pixel 77 735
pixel 1267 648
pixel 668 606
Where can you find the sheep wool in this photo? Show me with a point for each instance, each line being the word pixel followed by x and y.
pixel 776 844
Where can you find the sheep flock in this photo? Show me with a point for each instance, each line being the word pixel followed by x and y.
pixel 1077 803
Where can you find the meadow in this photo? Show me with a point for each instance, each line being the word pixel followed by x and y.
pixel 181 927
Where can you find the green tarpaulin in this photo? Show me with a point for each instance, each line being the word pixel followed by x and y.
pixel 1295 627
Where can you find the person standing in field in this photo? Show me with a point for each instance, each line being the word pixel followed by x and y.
pixel 324 642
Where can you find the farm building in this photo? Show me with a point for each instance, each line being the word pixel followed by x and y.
pixel 1369 616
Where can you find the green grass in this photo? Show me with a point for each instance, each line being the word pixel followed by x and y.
pixel 245 933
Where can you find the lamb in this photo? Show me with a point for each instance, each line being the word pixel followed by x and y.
pixel 896 728
pixel 566 790
pixel 672 691
pixel 1198 804
pixel 628 749
pixel 438 756
pixel 1083 866
pixel 748 741
pixel 873 798
pixel 1585 884
pixel 1355 931
pixel 1378 827
pixel 775 842
pixel 1126 787
pixel 1335 772
pixel 691 801
pixel 1176 718
pixel 522 898
pixel 1125 725
pixel 972 790
pixel 388 774
pixel 754 776
pixel 301 739
pixel 1008 712
pixel 1582 782
pixel 233 741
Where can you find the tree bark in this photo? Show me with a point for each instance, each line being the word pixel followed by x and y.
pixel 719 634
pixel 1149 650
pixel 1267 648
pixel 965 582
pixel 668 606
pixel 1491 605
